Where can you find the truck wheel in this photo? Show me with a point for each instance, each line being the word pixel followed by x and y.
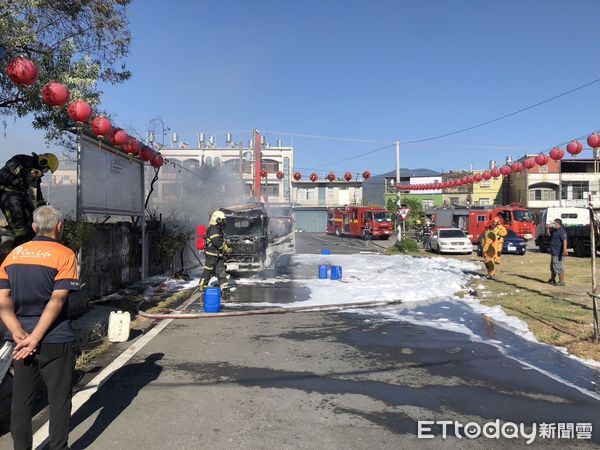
pixel 580 249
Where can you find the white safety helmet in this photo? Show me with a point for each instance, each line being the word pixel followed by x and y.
pixel 217 217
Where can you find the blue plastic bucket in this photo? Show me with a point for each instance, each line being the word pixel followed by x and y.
pixel 212 299
pixel 336 272
pixel 325 251
pixel 322 271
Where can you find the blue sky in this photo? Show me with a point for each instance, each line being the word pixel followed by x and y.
pixel 379 70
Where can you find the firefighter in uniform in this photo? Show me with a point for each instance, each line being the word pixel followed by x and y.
pixel 21 193
pixel 215 249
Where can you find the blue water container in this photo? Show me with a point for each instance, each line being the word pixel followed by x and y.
pixel 212 299
pixel 336 272
pixel 322 271
pixel 325 251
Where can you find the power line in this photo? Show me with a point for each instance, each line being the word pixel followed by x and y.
pixel 328 138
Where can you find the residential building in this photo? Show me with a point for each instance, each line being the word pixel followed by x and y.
pixel 459 195
pixel 487 192
pixel 429 198
pixel 311 200
pixel 377 188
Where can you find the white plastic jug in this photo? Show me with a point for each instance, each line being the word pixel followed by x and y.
pixel 118 326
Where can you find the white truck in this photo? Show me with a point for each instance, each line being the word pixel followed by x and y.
pixel 576 222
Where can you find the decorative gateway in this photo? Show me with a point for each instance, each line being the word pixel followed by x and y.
pixel 260 238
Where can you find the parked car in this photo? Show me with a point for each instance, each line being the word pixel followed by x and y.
pixel 512 244
pixel 450 240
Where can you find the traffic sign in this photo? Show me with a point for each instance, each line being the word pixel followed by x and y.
pixel 403 213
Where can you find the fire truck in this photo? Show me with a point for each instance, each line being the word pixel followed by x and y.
pixel 364 221
pixel 514 217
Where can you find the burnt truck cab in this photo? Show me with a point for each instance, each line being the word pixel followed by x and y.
pixel 258 240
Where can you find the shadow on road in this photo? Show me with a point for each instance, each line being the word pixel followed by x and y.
pixel 114 397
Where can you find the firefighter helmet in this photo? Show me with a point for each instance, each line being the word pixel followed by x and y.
pixel 48 160
pixel 217 218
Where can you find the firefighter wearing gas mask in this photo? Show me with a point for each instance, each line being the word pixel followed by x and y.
pixel 21 193
pixel 215 249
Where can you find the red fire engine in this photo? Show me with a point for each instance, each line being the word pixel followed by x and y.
pixel 514 217
pixel 362 221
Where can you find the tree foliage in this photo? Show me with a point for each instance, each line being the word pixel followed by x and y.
pixel 76 42
pixel 416 206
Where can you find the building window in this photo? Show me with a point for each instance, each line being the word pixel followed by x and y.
pixel 574 190
pixel 330 195
pixel 485 184
pixel 217 161
pixel 270 165
pixel 272 190
pixel 483 201
pixel 453 200
pixel 208 161
pixel 542 194
pixel 427 203
pixel 311 194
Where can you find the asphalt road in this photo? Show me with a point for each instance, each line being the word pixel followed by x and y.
pixel 330 381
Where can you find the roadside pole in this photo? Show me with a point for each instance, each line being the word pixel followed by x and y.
pixel 593 254
pixel 398 193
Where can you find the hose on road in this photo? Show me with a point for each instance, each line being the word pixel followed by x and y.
pixel 255 312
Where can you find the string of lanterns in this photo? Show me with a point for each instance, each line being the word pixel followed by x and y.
pixel 24 72
pixel 574 148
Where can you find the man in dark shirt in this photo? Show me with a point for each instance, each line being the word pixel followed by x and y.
pixel 35 280
pixel 558 248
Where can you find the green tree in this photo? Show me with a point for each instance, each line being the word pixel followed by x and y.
pixel 417 210
pixel 77 42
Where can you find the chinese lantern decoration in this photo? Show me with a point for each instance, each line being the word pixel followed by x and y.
pixel 314 177
pixel 529 163
pixel 133 147
pixel 486 175
pixel 574 147
pixel 470 179
pixel 505 170
pixel 55 94
pixel 157 160
pixel 280 175
pixel 366 175
pixel 495 172
pixel 79 111
pixel 297 176
pixel 101 127
pixel 119 138
pixel 556 154
pixel 263 173
pixel 541 159
pixel 146 153
pixel 331 176
pixel 517 167
pixel 593 140
pixel 347 176
pixel 22 71
pixel 477 177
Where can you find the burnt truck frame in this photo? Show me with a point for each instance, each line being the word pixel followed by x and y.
pixel 259 241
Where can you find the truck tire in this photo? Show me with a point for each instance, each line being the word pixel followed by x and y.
pixel 581 249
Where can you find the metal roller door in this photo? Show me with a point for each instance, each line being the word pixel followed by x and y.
pixel 311 221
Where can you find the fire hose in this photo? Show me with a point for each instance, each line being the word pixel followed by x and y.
pixel 176 314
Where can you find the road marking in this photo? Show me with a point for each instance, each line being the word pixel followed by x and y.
pixel 40 438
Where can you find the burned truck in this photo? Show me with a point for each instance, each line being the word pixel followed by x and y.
pixel 261 240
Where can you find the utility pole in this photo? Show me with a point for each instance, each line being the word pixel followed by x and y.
pixel 594 293
pixel 398 192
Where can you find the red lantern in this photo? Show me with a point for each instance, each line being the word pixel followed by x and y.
pixel 101 126
pixel 147 153
pixel 119 138
pixel 133 147
pixel 593 140
pixel 22 71
pixel 55 94
pixel 366 175
pixel 79 111
pixel 297 176
pixel 505 170
pixel 541 159
pixel 486 175
pixel 529 163
pixel 477 177
pixel 555 154
pixel 263 173
pixel 517 167
pixel 314 177
pixel 574 147
pixel 347 176
pixel 157 160
pixel 495 172
pixel 470 179
pixel 280 175
pixel 331 176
